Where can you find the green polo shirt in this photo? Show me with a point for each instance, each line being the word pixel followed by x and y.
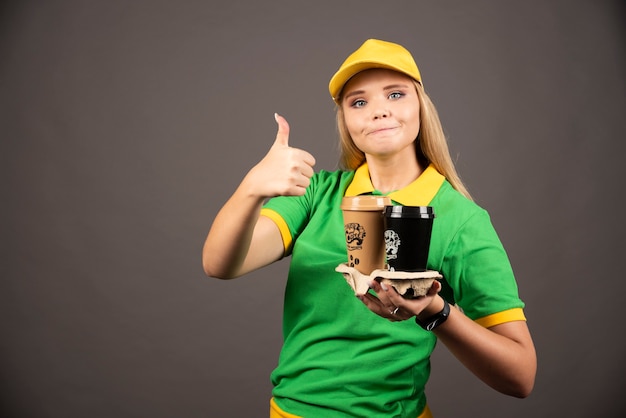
pixel 338 358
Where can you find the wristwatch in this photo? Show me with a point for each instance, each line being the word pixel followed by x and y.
pixel 435 320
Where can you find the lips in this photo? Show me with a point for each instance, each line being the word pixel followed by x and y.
pixel 381 129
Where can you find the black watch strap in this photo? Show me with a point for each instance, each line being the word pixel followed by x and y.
pixel 437 319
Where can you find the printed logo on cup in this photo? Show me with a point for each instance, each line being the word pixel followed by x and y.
pixel 355 234
pixel 392 244
pixel 363 227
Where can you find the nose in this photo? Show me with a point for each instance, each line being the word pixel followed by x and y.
pixel 380 109
pixel 381 113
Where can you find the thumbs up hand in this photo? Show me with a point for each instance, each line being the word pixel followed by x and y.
pixel 284 171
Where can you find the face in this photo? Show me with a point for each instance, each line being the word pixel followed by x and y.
pixel 381 112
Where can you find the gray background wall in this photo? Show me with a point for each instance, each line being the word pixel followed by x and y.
pixel 125 125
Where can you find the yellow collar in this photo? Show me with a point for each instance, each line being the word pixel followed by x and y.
pixel 419 193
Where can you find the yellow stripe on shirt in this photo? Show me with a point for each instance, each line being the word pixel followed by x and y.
pixel 510 315
pixel 285 233
pixel 276 412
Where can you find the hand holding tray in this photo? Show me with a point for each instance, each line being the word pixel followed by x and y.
pixel 407 284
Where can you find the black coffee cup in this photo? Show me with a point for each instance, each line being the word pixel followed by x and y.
pixel 407 236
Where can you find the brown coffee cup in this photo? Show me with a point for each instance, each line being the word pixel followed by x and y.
pixel 363 218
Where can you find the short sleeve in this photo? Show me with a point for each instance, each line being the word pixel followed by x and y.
pixel 290 214
pixel 479 271
pixel 293 213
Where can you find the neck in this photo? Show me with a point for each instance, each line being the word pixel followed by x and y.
pixel 393 174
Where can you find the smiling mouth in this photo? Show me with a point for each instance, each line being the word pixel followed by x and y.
pixel 382 130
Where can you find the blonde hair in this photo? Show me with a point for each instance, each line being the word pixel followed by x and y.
pixel 431 145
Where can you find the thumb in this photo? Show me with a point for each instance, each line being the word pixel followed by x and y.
pixel 282 137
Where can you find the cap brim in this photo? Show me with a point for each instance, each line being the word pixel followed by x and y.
pixel 341 77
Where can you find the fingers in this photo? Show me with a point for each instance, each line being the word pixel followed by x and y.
pixel 391 305
pixel 376 305
pixel 284 171
pixel 297 171
pixel 282 137
pixel 385 294
pixel 392 313
pixel 381 304
pixel 298 163
pixel 434 289
pixel 308 158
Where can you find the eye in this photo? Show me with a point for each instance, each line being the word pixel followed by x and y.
pixel 396 95
pixel 358 103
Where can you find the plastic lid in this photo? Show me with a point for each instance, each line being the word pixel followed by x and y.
pixel 425 212
pixel 367 202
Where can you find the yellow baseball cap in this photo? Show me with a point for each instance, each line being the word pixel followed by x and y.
pixel 374 54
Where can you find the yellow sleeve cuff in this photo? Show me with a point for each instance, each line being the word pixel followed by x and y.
pixel 510 315
pixel 285 233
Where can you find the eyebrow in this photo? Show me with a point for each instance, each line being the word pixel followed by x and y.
pixel 389 87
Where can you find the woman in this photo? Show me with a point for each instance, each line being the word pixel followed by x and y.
pixel 338 359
